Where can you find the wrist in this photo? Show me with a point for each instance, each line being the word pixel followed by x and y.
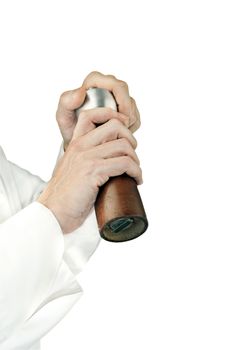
pixel 67 223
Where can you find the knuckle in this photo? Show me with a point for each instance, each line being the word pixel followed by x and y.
pixel 111 76
pixel 95 171
pixel 93 73
pixel 122 83
pixel 115 123
pixel 125 144
pixel 127 162
pixel 109 111
pixel 64 97
pixel 92 164
pixel 88 166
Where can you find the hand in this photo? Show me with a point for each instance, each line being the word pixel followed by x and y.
pixel 93 155
pixel 71 100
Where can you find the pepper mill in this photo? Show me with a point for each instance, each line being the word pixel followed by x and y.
pixel 119 209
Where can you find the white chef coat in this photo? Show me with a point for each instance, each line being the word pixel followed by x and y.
pixel 38 263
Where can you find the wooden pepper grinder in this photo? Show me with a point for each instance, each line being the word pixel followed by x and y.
pixel 119 208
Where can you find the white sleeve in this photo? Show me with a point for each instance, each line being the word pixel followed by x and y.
pixel 31 252
pixel 38 266
pixel 29 186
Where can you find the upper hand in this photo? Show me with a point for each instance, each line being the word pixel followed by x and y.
pixel 73 99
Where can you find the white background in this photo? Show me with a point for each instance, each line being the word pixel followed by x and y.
pixel 172 288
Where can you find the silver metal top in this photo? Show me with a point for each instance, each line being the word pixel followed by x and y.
pixel 97 97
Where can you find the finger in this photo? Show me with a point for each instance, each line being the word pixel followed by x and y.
pixel 71 100
pixel 88 119
pixel 111 130
pixel 119 165
pixel 119 88
pixel 116 148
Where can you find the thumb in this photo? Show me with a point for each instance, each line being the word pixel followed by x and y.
pixel 71 100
